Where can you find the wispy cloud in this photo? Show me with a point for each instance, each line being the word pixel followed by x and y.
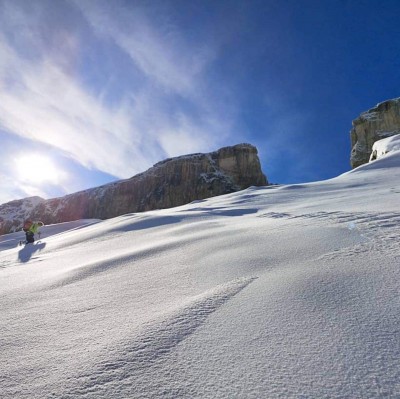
pixel 166 108
pixel 159 51
pixel 40 102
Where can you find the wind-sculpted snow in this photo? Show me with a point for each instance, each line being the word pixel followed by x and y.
pixel 380 231
pixel 125 368
pixel 106 263
pixel 165 304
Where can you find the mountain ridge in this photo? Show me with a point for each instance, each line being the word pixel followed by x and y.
pixel 170 182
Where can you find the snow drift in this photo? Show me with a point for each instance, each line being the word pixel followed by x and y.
pixel 275 292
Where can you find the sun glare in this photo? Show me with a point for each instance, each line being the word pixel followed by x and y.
pixel 37 169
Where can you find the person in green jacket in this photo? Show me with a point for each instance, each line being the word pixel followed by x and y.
pixel 31 228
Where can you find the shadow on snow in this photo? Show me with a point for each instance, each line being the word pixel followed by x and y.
pixel 25 254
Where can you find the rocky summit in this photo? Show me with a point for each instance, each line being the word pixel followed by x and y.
pixel 375 124
pixel 169 183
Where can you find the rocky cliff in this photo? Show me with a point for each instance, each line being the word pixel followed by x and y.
pixel 169 183
pixel 375 124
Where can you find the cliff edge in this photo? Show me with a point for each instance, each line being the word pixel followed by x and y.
pixel 169 183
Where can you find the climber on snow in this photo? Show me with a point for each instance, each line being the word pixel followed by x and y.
pixel 31 228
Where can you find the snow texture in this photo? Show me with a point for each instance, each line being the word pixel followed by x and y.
pixel 384 146
pixel 274 292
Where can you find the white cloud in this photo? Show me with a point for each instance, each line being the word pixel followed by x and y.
pixel 49 106
pixel 185 139
pixel 8 189
pixel 168 111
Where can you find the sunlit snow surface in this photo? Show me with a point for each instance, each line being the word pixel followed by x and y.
pixel 275 292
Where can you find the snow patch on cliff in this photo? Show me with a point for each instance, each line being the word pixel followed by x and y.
pixel 385 146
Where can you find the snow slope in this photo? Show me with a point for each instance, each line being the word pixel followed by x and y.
pixel 277 292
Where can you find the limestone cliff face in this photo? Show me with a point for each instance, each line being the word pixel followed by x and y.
pixel 169 183
pixel 375 124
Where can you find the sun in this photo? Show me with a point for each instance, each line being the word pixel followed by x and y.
pixel 37 169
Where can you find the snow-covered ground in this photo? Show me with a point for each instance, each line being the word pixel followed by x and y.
pixel 277 292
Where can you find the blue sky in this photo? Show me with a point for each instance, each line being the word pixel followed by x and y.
pixel 93 91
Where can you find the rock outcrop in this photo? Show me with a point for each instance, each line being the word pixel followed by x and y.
pixel 375 124
pixel 169 183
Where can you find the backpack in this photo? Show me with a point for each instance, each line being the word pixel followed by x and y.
pixel 27 225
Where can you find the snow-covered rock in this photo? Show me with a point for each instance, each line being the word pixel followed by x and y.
pixel 385 146
pixel 13 213
pixel 375 124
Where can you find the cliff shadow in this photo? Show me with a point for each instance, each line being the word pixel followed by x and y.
pixel 148 223
pixel 158 221
pixel 26 253
pixel 221 211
